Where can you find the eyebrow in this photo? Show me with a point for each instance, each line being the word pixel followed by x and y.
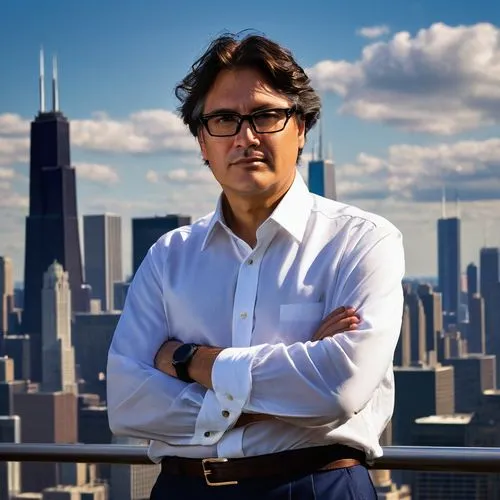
pixel 254 109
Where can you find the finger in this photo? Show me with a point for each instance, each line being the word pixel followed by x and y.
pixel 337 327
pixel 325 336
pixel 330 333
pixel 340 310
pixel 344 312
pixel 330 321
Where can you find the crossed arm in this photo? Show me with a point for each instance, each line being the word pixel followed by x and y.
pixel 200 368
pixel 307 384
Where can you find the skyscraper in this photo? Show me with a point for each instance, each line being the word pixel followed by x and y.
pixel 449 266
pixel 476 336
pixel 45 418
pixel 6 292
pixel 489 264
pixel 58 360
pixel 402 354
pixel 321 173
pixel 146 231
pixel 471 280
pixel 102 236
pixel 417 326
pixel 433 312
pixel 489 269
pixel 420 391
pixel 473 374
pixel 52 223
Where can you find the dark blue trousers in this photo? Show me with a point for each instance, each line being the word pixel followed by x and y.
pixel 352 483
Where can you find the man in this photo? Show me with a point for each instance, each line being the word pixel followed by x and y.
pixel 234 354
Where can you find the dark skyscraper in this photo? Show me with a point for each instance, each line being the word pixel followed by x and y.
pixel 471 280
pixel 476 336
pixel 489 271
pixel 433 312
pixel 52 223
pixel 449 267
pixel 145 232
pixel 418 347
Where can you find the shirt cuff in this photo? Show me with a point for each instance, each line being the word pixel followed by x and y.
pixel 232 376
pixel 212 422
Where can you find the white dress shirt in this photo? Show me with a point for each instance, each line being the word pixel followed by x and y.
pixel 202 284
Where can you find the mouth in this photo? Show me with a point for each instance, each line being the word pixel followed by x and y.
pixel 249 161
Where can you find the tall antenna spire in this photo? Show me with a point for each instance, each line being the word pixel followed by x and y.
pixel 443 202
pixel 457 204
pixel 320 153
pixel 41 84
pixel 55 89
pixel 330 151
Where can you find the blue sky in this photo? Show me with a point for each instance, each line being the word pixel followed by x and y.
pixel 401 111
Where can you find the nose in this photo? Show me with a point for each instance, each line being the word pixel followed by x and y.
pixel 246 136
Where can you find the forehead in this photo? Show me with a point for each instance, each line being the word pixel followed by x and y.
pixel 242 90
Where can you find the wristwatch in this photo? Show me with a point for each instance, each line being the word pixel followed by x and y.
pixel 180 361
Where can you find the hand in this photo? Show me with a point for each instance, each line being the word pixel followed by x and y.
pixel 164 357
pixel 342 319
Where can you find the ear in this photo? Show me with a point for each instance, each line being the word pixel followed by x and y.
pixel 203 146
pixel 301 132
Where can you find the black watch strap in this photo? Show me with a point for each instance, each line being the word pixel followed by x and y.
pixel 182 357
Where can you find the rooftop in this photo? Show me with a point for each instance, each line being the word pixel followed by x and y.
pixel 456 419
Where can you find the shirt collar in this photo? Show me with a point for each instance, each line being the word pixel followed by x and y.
pixel 292 212
pixel 216 220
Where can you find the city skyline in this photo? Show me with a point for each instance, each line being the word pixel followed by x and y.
pixel 399 122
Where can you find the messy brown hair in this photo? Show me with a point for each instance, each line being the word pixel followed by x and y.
pixel 276 64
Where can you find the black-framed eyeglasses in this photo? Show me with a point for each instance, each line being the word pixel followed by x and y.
pixel 266 121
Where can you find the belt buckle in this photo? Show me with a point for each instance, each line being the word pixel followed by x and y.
pixel 207 472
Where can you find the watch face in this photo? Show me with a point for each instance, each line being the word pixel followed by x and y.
pixel 182 353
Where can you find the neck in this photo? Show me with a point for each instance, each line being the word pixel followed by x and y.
pixel 244 215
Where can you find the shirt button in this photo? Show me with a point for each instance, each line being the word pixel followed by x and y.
pixel 250 262
pixel 243 315
pixel 225 413
pixel 229 397
pixel 207 434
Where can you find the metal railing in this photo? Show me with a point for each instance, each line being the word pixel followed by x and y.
pixel 429 458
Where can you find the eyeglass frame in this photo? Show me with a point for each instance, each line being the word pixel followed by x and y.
pixel 249 118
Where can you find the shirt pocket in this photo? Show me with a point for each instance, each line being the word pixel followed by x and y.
pixel 298 322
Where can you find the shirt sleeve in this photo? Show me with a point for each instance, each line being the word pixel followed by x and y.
pixel 326 382
pixel 144 402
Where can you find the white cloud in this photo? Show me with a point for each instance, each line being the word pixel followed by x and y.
pixel 96 172
pixel 6 173
pixel 9 198
pixel 14 150
pixel 444 80
pixel 152 176
pixel 14 200
pixel 143 132
pixel 417 173
pixel 12 124
pixel 182 176
pixel 146 131
pixel 373 31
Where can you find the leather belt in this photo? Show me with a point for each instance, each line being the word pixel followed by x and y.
pixel 285 464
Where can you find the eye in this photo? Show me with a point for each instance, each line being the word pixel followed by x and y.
pixel 267 115
pixel 224 119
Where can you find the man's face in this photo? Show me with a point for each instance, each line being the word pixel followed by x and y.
pixel 250 164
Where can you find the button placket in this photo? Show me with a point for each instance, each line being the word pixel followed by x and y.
pixel 244 303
